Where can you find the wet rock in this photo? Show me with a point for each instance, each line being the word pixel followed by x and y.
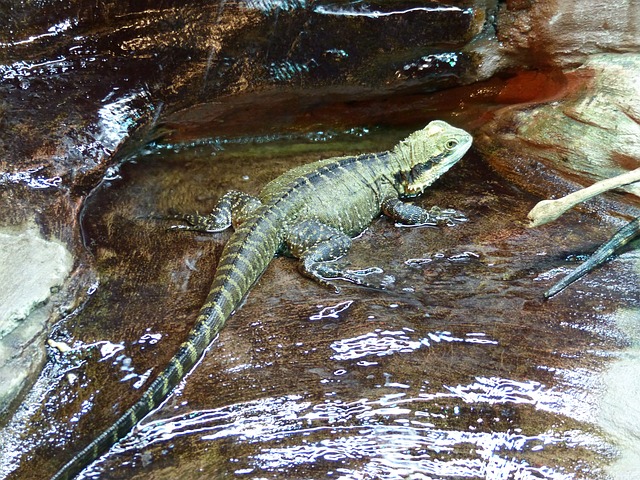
pixel 573 118
pixel 78 80
pixel 30 269
pixel 83 84
pixel 587 130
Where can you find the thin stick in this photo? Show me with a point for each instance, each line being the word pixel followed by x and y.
pixel 548 210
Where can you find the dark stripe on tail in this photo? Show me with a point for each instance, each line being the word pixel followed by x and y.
pixel 243 260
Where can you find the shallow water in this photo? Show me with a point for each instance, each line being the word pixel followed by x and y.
pixel 458 370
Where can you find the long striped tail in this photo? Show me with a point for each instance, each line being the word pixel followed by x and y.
pixel 243 260
pixel 615 243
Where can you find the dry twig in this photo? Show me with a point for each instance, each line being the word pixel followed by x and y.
pixel 548 210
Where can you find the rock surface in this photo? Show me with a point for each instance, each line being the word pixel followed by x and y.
pixel 31 268
pixel 563 34
pixel 83 85
pixel 585 131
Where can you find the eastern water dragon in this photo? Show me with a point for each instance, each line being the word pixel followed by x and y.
pixel 311 213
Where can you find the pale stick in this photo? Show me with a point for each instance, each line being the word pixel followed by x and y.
pixel 548 210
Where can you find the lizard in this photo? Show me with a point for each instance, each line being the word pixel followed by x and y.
pixel 311 213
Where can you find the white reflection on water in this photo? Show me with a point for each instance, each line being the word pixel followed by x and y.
pixel 394 436
pixel 380 343
pixel 258 419
pixel 118 116
pixel 328 10
pixel 399 453
pixel 464 431
pixel 494 390
pixel 29 178
pixel 332 311
pixel 52 31
pixel 23 70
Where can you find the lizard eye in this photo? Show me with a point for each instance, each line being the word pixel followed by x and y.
pixel 451 144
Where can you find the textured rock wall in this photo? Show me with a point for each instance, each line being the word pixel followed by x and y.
pixel 586 125
pixel 564 33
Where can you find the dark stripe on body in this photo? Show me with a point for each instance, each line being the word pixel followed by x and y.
pixel 243 260
pixel 351 165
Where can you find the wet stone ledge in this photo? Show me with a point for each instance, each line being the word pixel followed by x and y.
pixel 83 85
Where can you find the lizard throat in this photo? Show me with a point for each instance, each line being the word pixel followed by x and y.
pixel 422 175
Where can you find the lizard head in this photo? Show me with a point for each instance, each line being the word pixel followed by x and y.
pixel 428 153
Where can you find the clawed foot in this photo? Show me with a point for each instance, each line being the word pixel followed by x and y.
pixel 447 216
pixel 413 215
pixel 196 223
pixel 323 271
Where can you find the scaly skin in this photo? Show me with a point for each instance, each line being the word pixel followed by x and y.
pixel 310 212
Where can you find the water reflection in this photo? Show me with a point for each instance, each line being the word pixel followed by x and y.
pixel 495 390
pixel 369 13
pixel 392 437
pixel 117 117
pixel 30 179
pixel 380 343
pixel 407 452
pixel 23 69
pixel 52 31
pixel 331 311
pixel 214 145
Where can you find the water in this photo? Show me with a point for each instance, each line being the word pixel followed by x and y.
pixel 458 370
pixel 619 413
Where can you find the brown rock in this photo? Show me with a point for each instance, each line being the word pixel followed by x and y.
pixel 564 33
pixel 585 131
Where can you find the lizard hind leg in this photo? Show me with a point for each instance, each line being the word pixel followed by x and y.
pixel 233 208
pixel 318 246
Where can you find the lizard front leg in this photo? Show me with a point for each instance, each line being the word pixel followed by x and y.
pixel 409 214
pixel 233 208
pixel 318 246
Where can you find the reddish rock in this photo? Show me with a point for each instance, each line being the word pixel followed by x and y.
pixel 582 127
